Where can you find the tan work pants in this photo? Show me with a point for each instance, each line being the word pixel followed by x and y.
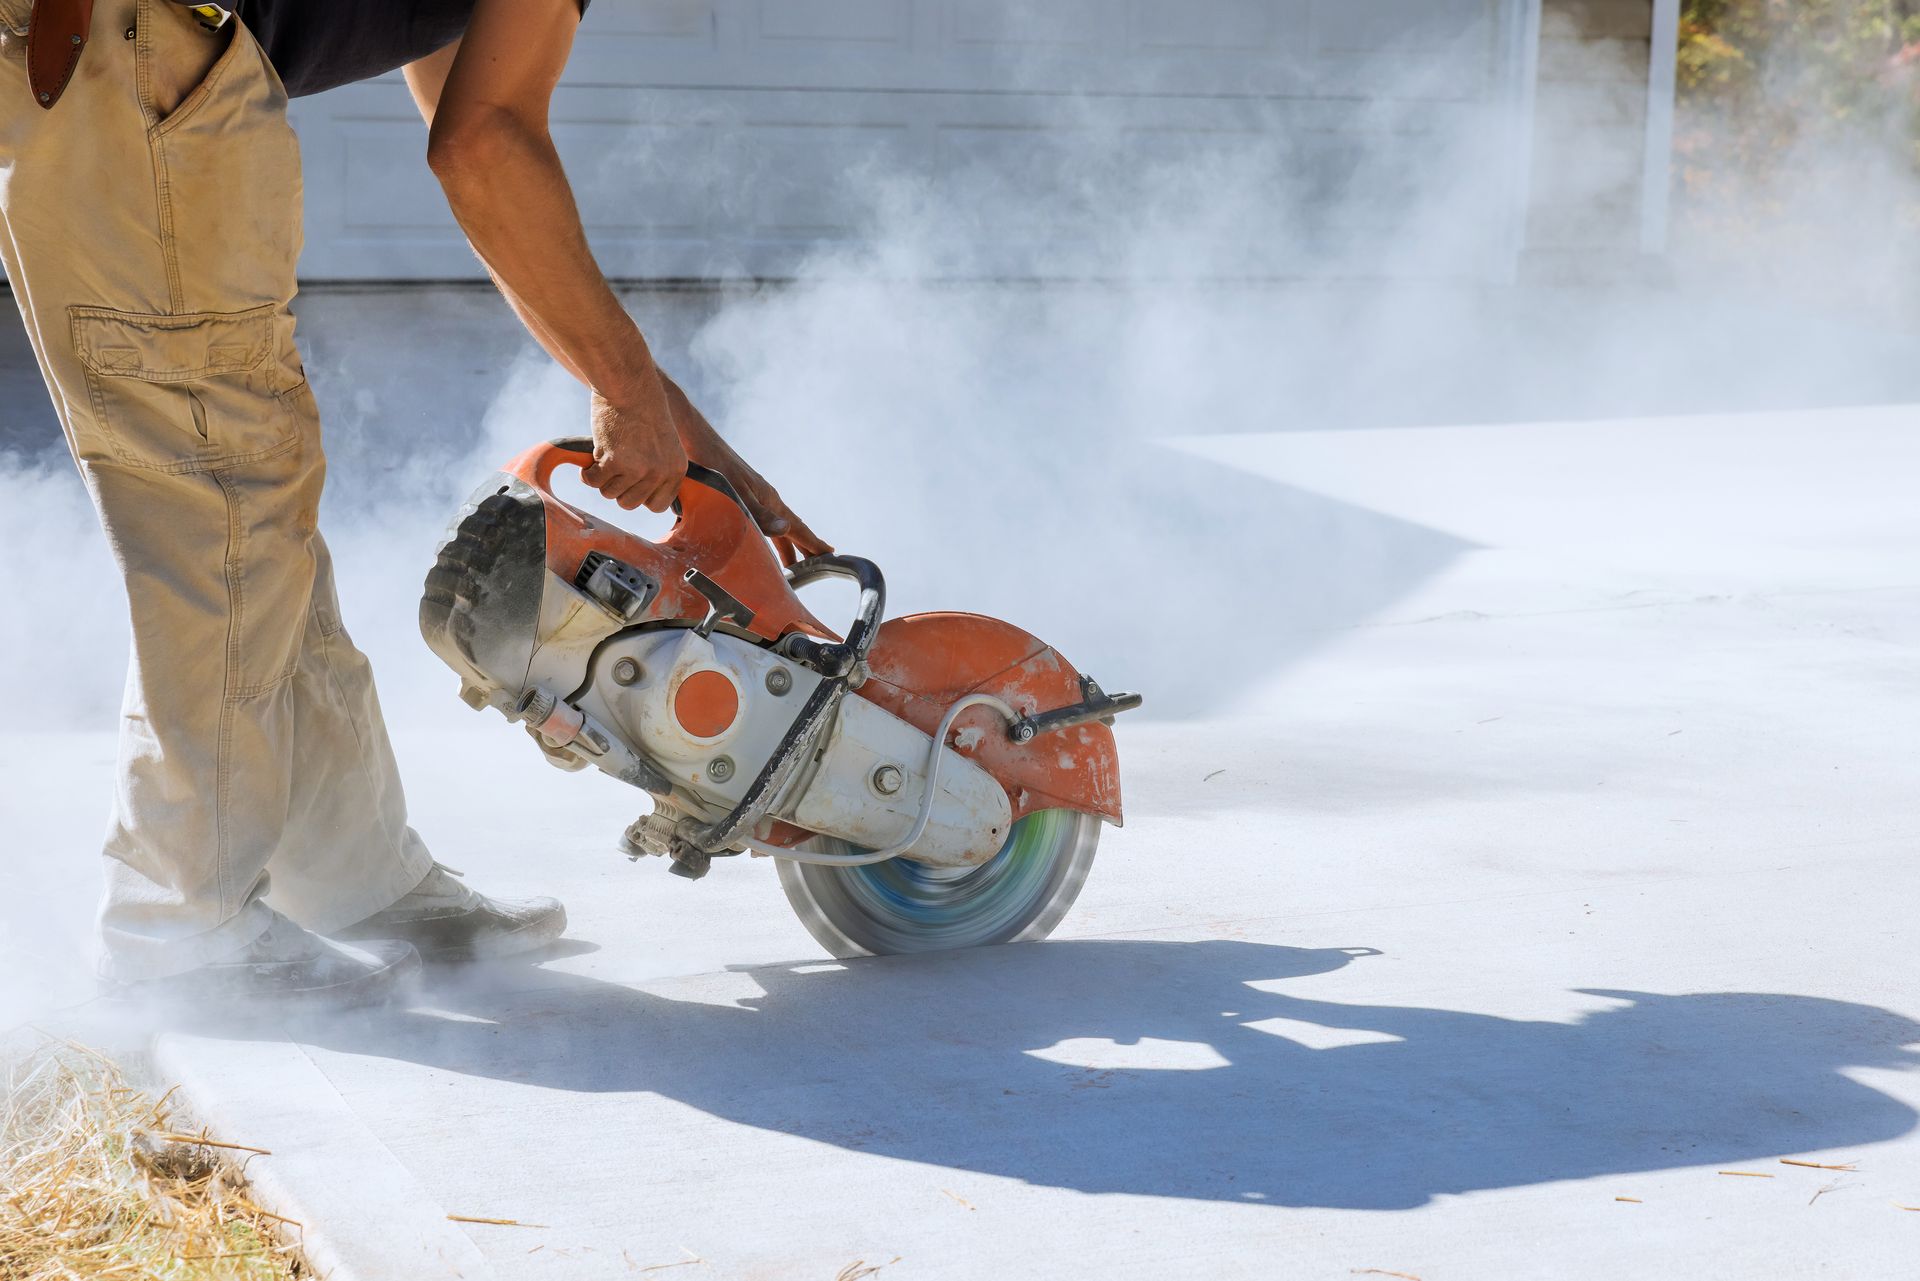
pixel 150 223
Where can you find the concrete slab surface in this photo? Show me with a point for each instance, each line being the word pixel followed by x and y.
pixel 1500 931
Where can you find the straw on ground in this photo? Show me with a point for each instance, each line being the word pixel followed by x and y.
pixel 98 1183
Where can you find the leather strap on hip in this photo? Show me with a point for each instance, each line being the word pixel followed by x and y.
pixel 56 34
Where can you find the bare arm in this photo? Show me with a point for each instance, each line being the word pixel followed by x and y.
pixel 426 79
pixel 485 100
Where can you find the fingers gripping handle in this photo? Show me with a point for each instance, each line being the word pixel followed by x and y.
pixel 578 451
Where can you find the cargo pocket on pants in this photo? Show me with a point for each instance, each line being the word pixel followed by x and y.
pixel 187 393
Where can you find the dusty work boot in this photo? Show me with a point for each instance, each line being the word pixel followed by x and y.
pixel 285 970
pixel 447 921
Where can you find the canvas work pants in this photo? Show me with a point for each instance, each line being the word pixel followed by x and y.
pixel 149 223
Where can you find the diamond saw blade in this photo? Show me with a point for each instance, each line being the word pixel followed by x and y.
pixel 903 906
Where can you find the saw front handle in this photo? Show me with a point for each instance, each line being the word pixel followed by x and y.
pixel 714 533
pixel 578 451
pixel 829 658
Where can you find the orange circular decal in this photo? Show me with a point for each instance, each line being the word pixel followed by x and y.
pixel 705 704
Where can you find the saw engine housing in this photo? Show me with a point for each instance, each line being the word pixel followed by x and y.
pixel 705 710
pixel 689 668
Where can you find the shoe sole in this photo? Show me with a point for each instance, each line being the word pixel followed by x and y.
pixel 238 1010
pixel 532 936
pixel 379 988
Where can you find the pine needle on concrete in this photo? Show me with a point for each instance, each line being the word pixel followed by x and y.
pixel 95 1182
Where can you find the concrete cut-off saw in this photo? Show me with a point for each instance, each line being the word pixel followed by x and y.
pixel 927 782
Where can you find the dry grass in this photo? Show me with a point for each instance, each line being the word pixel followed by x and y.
pixel 96 1181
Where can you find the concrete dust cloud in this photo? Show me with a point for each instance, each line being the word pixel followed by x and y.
pixel 993 446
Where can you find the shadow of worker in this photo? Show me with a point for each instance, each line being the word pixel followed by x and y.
pixel 1184 1070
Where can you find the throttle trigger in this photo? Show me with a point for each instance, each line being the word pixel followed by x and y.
pixel 723 606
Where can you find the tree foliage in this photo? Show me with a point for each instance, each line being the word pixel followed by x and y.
pixel 1775 74
pixel 1798 139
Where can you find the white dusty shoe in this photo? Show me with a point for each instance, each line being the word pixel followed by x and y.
pixel 287 969
pixel 446 921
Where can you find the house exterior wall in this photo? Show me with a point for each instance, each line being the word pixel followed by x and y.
pixel 1601 131
pixel 740 138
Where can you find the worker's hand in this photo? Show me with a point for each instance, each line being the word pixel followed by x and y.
pixel 777 521
pixel 638 460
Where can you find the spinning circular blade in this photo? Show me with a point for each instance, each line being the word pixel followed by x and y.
pixel 904 906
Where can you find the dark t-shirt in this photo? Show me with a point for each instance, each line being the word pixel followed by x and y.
pixel 320 44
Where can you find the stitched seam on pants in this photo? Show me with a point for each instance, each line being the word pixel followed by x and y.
pixel 191 466
pixel 156 147
pixel 353 722
pixel 249 331
pixel 236 692
pixel 258 455
pixel 143 60
pixel 209 85
pixel 223 759
pixel 241 693
pixel 169 246
pixel 96 397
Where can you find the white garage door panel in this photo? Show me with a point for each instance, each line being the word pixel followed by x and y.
pixel 1238 27
pixel 829 21
pixel 654 178
pixel 371 154
pixel 1072 23
pixel 1358 26
pixel 1112 46
pixel 783 164
pixel 736 137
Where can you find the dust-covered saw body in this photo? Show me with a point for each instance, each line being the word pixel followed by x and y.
pixel 931 781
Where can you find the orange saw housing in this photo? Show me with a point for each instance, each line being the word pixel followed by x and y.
pixel 918 667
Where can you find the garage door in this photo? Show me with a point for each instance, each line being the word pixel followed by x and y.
pixel 727 138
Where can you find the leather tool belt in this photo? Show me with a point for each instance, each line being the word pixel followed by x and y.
pixel 57 35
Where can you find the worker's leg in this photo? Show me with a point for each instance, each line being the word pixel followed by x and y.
pixel 150 224
pixel 346 851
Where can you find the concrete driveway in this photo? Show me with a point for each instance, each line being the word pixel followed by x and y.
pixel 1520 924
